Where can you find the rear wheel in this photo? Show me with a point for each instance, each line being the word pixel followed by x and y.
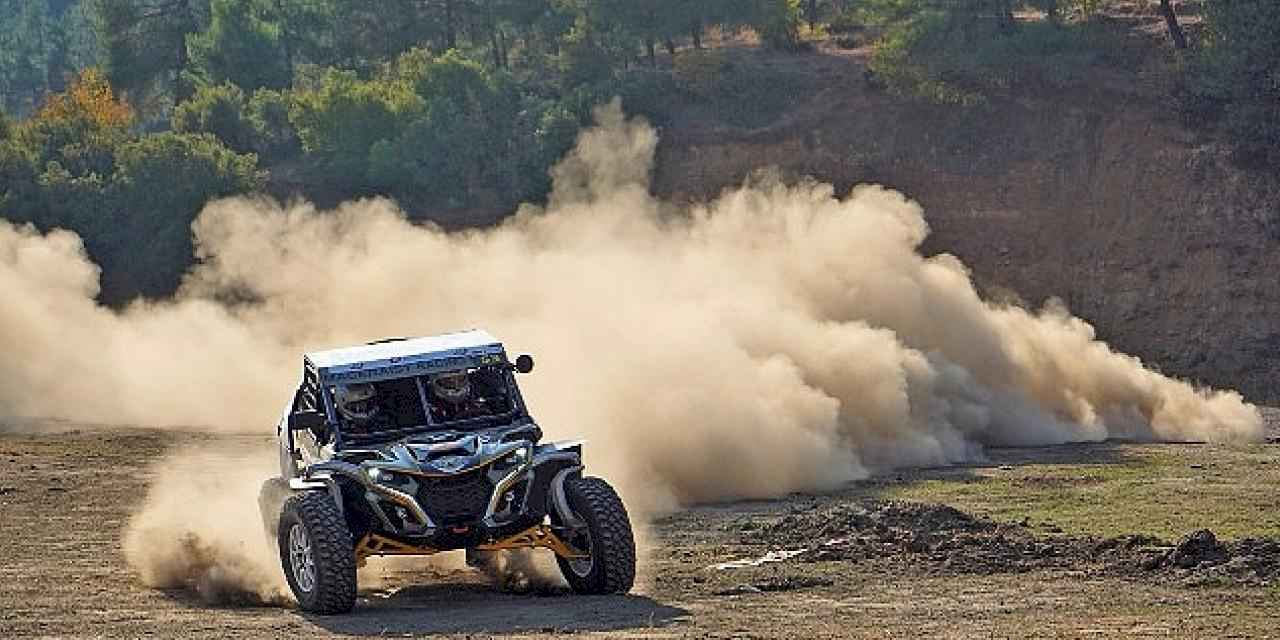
pixel 316 553
pixel 606 537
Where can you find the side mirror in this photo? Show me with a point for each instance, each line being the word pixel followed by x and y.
pixel 524 363
pixel 306 421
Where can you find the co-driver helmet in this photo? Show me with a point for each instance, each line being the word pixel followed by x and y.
pixel 451 386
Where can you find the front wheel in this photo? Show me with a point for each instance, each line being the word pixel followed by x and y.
pixel 611 563
pixel 316 554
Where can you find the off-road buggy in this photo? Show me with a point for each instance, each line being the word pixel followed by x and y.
pixel 424 474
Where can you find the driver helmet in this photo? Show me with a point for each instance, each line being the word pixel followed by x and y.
pixel 451 386
pixel 357 402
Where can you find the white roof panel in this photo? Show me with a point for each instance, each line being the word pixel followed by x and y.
pixel 464 343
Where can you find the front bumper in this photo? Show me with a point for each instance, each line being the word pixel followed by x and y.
pixel 465 495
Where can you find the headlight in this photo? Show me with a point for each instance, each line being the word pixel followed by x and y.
pixel 513 460
pixel 391 479
pixel 520 456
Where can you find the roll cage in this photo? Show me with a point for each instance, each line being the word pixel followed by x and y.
pixel 314 394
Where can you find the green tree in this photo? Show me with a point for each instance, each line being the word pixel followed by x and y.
pixel 340 121
pixel 77 164
pixel 305 30
pixel 19 195
pixel 218 110
pixel 144 44
pixel 1235 76
pixel 24 51
pixel 239 46
pixel 70 146
pixel 582 59
pixel 462 143
pixel 777 22
pixel 78 128
pixel 274 137
pixel 647 22
pixel 554 133
pixel 207 169
pixel 538 26
pixel 42 43
pixel 367 34
pixel 194 169
pixel 81 35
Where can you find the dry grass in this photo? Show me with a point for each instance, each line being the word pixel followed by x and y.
pixel 1111 489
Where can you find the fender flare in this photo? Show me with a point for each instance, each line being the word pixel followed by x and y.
pixel 320 482
pixel 560 499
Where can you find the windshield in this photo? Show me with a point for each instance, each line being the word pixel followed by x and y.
pixel 471 398
pixel 467 394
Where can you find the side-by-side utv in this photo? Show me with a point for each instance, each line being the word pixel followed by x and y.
pixel 417 446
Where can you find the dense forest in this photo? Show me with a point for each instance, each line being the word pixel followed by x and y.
pixel 121 118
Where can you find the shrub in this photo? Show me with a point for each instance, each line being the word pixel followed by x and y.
pixel 951 58
pixel 778 23
pixel 193 167
pixel 744 95
pixel 700 72
pixel 845 22
pixel 648 93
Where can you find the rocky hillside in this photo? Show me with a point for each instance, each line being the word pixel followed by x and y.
pixel 1099 196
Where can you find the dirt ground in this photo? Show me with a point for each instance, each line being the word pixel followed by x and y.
pixel 856 563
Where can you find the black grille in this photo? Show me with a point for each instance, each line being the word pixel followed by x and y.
pixel 453 500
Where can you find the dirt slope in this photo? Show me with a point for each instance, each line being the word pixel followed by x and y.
pixel 1098 196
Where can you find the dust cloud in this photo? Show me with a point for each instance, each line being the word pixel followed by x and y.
pixel 779 338
pixel 522 571
pixel 199 531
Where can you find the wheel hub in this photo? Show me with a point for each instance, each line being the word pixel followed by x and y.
pixel 581 567
pixel 301 559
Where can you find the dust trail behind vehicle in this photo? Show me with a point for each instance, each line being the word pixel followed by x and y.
pixel 780 338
